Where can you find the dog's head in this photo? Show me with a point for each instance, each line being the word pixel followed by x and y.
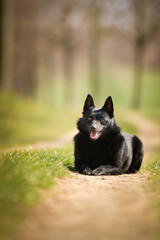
pixel 96 121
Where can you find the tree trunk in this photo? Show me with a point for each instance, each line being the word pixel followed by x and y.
pixel 67 47
pixel 1 34
pixel 95 39
pixel 138 72
pixel 95 60
pixel 24 78
pixel 6 45
pixel 68 76
pixel 95 67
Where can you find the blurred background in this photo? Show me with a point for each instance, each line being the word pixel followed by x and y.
pixel 54 52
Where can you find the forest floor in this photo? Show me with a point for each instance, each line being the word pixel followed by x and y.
pixel 97 207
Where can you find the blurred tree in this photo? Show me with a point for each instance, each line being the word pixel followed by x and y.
pixel 59 35
pixel 6 43
pixel 1 32
pixel 95 10
pixel 24 80
pixel 146 17
pixel 67 45
pixel 95 40
pixel 139 22
pixel 51 40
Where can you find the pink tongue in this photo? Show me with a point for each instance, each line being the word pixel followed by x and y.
pixel 93 135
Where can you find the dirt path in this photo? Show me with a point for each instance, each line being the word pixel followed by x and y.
pixel 97 208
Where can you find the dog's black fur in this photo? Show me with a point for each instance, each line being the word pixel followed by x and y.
pixel 100 146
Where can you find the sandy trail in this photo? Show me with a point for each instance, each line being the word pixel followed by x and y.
pixel 100 208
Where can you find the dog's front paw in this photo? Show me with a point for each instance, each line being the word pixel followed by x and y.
pixel 87 171
pixel 99 171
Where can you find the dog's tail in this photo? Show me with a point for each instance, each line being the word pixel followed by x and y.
pixel 138 153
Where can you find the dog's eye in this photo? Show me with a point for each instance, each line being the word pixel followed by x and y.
pixel 102 121
pixel 90 118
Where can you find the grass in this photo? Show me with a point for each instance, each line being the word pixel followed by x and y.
pixel 22 175
pixel 151 97
pixel 152 165
pixel 24 120
pixel 127 127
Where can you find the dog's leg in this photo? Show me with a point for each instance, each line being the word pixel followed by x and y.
pixel 81 164
pixel 118 161
pixel 138 153
pixel 82 167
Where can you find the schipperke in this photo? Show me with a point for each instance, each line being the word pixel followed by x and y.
pixel 100 146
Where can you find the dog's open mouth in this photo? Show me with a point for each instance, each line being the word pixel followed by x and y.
pixel 94 135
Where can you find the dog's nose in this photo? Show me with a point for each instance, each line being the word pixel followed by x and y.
pixel 93 128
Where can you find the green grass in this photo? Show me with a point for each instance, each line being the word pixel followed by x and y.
pixel 152 165
pixel 24 120
pixel 127 127
pixel 22 175
pixel 151 97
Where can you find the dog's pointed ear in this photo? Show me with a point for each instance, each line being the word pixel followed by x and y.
pixel 88 103
pixel 108 106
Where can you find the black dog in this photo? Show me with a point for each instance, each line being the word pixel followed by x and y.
pixel 100 146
